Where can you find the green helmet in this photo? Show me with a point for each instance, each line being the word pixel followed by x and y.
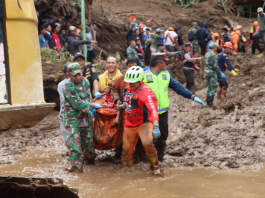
pixel 134 74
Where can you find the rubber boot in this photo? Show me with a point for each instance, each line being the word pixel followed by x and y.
pixel 219 93
pixel 153 161
pixel 224 91
pixel 127 163
pixel 210 100
pixel 154 167
pixel 160 148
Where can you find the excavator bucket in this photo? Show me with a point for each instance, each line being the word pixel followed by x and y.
pixel 21 85
pixel 242 2
pixel 18 187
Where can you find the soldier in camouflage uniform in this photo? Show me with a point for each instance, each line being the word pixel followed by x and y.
pixel 193 39
pixel 77 118
pixel 212 72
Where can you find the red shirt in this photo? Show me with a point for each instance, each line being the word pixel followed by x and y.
pixel 56 41
pixel 135 113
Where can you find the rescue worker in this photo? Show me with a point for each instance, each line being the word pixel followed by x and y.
pixel 253 31
pixel 243 41
pixel 223 64
pixel 189 64
pixel 60 91
pixel 193 39
pixel 131 51
pixel 180 40
pixel 261 30
pixel 147 35
pixel 171 39
pixel 211 72
pixel 140 51
pixel 155 40
pixel 202 35
pixel 117 93
pixel 161 49
pixel 159 80
pixel 109 75
pixel 235 40
pixel 141 35
pixel 219 42
pixel 130 33
pixel 227 36
pixel 89 72
pixel 78 108
pixel 141 119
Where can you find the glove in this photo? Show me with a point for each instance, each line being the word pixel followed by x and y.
pixel 97 94
pixel 141 64
pixel 223 75
pixel 93 113
pixel 156 132
pixel 198 100
pixel 260 55
pixel 234 73
pixel 178 52
pixel 122 107
pixel 237 70
pixel 97 106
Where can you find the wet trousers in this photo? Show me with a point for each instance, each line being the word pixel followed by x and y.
pixel 131 136
pixel 80 142
pixel 189 74
pixel 195 48
pixel 235 48
pixel 212 83
pixel 203 46
pixel 64 133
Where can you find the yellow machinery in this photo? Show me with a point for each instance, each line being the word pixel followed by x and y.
pixel 21 86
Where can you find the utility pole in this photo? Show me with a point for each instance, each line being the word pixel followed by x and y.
pixel 83 24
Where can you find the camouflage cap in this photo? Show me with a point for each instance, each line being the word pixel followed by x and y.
pixel 74 68
pixel 212 45
pixel 194 23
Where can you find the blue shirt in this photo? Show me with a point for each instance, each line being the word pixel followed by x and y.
pixel 48 38
pixel 89 37
pixel 42 42
pixel 147 37
pixel 223 62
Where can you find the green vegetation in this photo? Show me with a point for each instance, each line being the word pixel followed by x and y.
pixel 60 59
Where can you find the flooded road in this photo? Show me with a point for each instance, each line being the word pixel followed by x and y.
pixel 109 180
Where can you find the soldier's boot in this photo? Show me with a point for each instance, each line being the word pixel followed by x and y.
pixel 219 93
pixel 224 92
pixel 154 167
pixel 160 148
pixel 75 169
pixel 126 163
pixel 210 100
pixel 90 159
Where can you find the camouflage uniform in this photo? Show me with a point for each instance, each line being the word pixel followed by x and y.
pixel 211 71
pixel 195 45
pixel 78 121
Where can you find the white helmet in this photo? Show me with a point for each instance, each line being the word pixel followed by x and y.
pixel 72 28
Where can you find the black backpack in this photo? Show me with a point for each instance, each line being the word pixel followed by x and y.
pixel 190 36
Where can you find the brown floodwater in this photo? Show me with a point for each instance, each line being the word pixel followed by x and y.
pixel 108 180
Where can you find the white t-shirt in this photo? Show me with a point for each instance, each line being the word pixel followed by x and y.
pixel 60 91
pixel 173 36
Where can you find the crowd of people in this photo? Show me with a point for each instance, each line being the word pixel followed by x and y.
pixel 142 91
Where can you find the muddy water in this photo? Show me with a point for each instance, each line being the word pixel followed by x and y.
pixel 105 180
